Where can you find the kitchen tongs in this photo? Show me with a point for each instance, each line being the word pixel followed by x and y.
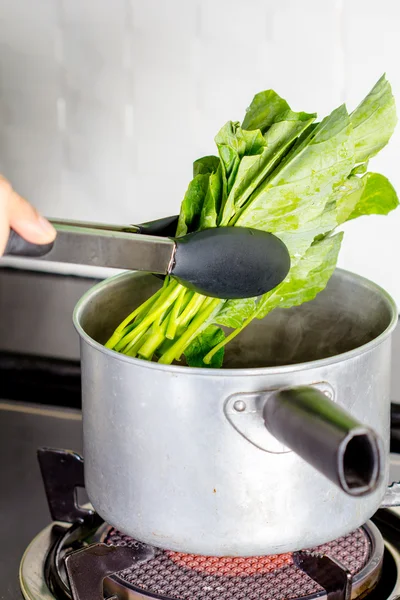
pixel 223 262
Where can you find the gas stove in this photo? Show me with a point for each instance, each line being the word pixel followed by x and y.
pixel 355 566
pixel 80 557
pixel 346 568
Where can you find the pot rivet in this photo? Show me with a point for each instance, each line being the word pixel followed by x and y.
pixel 239 406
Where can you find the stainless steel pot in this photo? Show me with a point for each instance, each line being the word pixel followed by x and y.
pixel 285 448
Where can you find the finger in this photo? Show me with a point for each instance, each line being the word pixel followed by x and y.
pixel 27 222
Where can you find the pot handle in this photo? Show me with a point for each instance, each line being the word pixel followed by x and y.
pixel 327 437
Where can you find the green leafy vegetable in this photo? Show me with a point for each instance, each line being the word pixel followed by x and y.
pixel 296 191
pixel 264 110
pixel 192 204
pixel 308 277
pixel 376 196
pixel 212 201
pixel 282 172
pixel 203 344
pixel 254 169
pixel 234 312
pixel 207 164
pixel 374 121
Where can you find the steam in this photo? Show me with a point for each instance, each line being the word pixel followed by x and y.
pixel 345 316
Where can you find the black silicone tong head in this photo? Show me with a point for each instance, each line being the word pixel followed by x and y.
pixel 224 262
pixel 240 262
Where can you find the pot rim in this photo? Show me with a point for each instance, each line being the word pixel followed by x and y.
pixel 206 371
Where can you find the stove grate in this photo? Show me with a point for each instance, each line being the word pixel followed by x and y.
pixel 188 577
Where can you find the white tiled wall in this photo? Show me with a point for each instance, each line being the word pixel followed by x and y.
pixel 104 104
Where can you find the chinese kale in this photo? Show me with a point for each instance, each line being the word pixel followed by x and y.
pixel 279 171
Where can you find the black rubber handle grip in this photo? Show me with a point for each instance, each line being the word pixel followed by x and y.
pixel 231 262
pixel 327 437
pixel 17 246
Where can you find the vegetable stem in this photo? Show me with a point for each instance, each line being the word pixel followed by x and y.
pixel 173 321
pixel 191 309
pixel 198 324
pixel 168 298
pixel 207 359
pixel 121 329
pixel 153 342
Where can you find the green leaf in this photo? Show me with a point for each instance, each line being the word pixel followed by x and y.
pixel 233 143
pixel 263 110
pixel 234 312
pixel 374 121
pixel 230 147
pixel 207 164
pixel 192 204
pixel 376 197
pixel 306 278
pixel 253 141
pixel 254 169
pixel 294 197
pixel 346 197
pixel 316 228
pixel 355 197
pixel 213 201
pixel 202 344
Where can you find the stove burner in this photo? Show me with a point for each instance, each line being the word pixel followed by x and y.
pixel 187 577
pixel 231 566
pixel 78 559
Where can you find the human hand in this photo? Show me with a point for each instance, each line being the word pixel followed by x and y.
pixel 16 213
